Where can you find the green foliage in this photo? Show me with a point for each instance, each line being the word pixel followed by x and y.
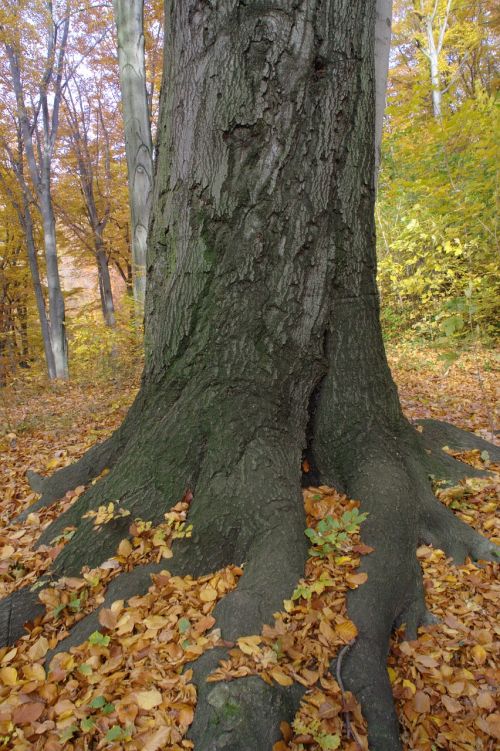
pixel 436 224
pixel 99 352
pixel 184 625
pixel 326 741
pixel 98 702
pixel 330 534
pixel 306 591
pixel 438 186
pixel 98 639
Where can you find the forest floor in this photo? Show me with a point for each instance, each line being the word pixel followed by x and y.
pixel 124 688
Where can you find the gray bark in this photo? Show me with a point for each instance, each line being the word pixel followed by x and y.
pixel 80 128
pixel 262 332
pixel 138 141
pixel 40 164
pixel 382 53
pixel 22 206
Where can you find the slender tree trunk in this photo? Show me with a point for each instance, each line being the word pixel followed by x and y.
pixel 138 142
pixel 22 313
pixel 37 287
pixel 48 112
pixel 105 289
pixel 433 55
pixel 263 340
pixel 23 210
pixel 382 52
pixel 56 299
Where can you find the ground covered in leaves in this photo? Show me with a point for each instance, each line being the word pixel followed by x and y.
pixel 125 688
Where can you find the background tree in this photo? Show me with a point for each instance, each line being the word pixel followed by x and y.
pixel 38 101
pixel 17 193
pixel 436 213
pixel 89 159
pixel 137 123
pixel 263 341
pixel 14 345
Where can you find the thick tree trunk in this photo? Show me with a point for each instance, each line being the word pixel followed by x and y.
pixel 138 142
pixel 262 336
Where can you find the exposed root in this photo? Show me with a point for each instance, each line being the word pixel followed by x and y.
pixel 440 465
pixel 98 458
pixel 394 489
pixel 243 715
pixel 437 434
pixel 15 610
pixel 93 462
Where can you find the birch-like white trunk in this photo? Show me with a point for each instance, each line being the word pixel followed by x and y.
pixel 56 299
pixel 382 52
pixel 138 141
pixel 39 162
pixel 23 210
pixel 433 56
pixel 27 223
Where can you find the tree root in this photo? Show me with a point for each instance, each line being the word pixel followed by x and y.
pixel 265 533
pixel 393 488
pixel 244 715
pixel 15 610
pixel 99 457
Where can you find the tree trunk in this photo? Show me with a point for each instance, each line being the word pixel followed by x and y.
pixel 263 340
pixel 22 314
pixel 138 142
pixel 433 55
pixel 23 209
pixel 56 299
pixel 27 224
pixel 105 289
pixel 382 52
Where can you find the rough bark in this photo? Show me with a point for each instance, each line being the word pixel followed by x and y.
pixel 262 334
pixel 138 141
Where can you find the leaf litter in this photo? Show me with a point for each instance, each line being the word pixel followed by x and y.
pixel 127 687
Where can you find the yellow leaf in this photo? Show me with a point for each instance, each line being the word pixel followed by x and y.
pixel 8 676
pixel 39 649
pixel 157 739
pixel 34 673
pixel 9 656
pixel 280 677
pixel 209 594
pixel 479 654
pixel 392 675
pixel 148 699
pixel 249 644
pixel 346 630
pixel 410 685
pixel 354 580
pixel 124 548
